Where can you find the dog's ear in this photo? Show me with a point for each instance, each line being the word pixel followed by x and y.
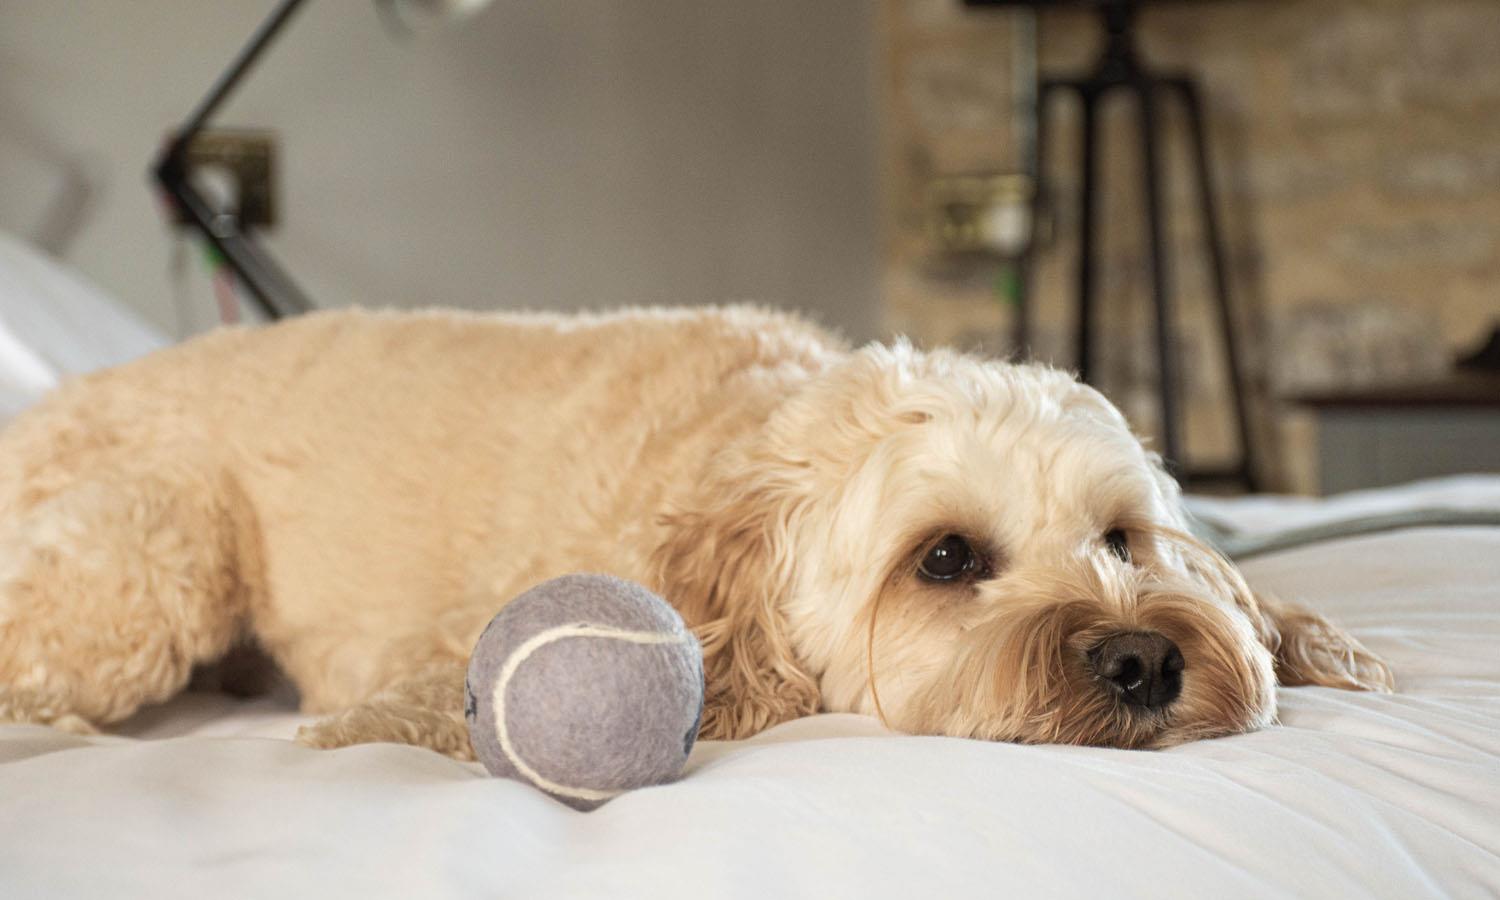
pixel 727 565
pixel 1306 648
pixel 1309 649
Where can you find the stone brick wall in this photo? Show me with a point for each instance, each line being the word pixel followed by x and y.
pixel 1357 147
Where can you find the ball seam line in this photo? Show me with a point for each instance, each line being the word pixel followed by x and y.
pixel 520 655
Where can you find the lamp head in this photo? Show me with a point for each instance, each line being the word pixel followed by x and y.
pixel 447 8
pixel 436 9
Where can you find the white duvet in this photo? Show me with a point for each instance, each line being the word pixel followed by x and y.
pixel 1352 795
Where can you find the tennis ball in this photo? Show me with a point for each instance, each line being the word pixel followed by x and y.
pixel 585 686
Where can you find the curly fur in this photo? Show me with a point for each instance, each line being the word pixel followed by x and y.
pixel 359 492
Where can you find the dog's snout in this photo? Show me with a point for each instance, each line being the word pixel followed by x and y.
pixel 1144 667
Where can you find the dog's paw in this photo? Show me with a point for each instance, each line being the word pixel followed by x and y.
pixel 26 708
pixel 322 736
pixel 74 725
pixel 380 723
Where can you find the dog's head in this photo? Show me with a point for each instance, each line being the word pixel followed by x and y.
pixel 973 548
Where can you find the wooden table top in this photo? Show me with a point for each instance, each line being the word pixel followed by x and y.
pixel 1462 388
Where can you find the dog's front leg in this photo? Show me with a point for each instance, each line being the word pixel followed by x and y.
pixel 425 709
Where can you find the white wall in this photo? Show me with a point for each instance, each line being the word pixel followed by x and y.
pixel 552 154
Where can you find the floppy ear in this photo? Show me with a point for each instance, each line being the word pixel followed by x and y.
pixel 1306 648
pixel 1309 649
pixel 727 567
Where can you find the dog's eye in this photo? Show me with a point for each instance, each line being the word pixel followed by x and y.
pixel 1118 543
pixel 949 559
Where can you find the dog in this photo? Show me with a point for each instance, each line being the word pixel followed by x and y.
pixel 957 545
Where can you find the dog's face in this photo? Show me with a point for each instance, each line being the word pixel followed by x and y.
pixel 972 548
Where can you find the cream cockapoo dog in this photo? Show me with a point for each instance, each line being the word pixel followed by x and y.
pixel 958 545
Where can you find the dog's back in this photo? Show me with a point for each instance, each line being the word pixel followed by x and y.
pixel 389 467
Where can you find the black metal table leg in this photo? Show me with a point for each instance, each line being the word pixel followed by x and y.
pixel 1208 212
pixel 1161 288
pixel 1036 165
pixel 1087 203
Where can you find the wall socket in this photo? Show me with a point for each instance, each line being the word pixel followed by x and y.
pixel 987 213
pixel 240 166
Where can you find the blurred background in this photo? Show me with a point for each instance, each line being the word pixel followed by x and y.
pixel 543 155
pixel 874 164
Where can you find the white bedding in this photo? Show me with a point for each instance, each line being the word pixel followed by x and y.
pixel 1352 795
pixel 55 323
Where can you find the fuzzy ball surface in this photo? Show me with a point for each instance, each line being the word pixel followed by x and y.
pixel 585 686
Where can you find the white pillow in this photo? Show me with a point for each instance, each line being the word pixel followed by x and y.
pixel 55 323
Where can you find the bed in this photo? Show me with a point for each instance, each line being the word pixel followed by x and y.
pixel 1351 795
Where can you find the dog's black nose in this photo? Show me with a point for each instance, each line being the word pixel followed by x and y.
pixel 1143 666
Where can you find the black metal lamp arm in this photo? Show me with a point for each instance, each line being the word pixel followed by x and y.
pixel 271 288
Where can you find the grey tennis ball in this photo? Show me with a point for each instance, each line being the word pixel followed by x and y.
pixel 585 686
